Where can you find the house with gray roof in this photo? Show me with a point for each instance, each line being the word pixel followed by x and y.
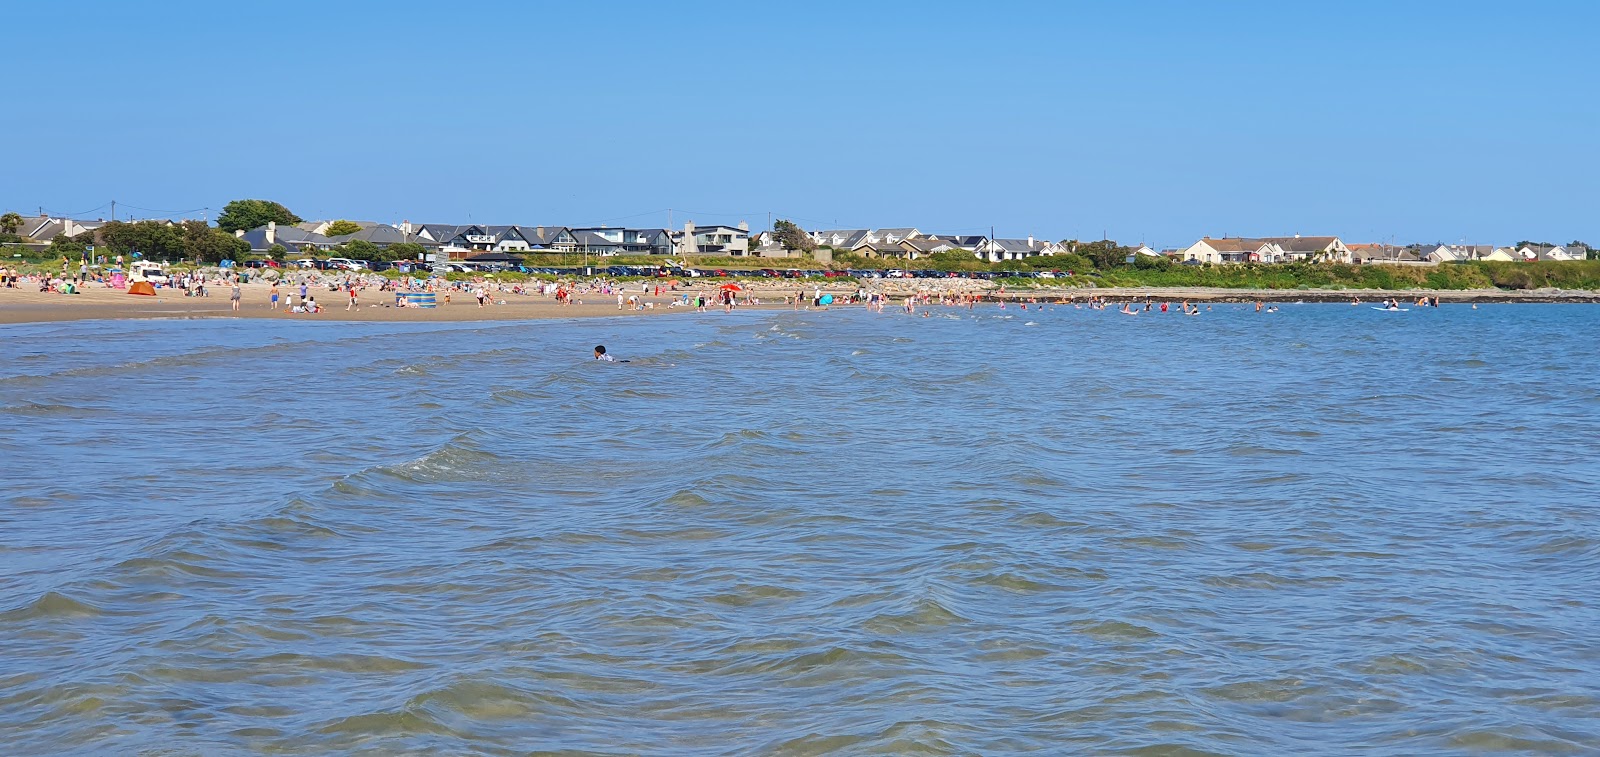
pixel 381 235
pixel 868 249
pixel 549 238
pixel 919 247
pixel 631 241
pixel 840 239
pixel 1299 248
pixel 46 228
pixel 291 237
pixel 996 250
pixel 891 236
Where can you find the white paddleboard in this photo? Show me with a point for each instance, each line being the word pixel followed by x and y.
pixel 1392 310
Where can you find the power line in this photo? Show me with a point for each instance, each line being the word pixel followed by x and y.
pixel 156 210
pixel 78 213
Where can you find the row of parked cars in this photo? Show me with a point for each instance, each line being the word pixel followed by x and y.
pixel 461 266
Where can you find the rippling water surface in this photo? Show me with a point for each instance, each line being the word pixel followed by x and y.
pixel 1322 530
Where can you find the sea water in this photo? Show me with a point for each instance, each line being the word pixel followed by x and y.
pixel 1321 530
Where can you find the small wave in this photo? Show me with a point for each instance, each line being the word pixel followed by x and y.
pixel 926 615
pixel 1114 629
pixel 53 605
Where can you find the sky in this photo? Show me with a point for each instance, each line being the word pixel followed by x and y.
pixel 1154 122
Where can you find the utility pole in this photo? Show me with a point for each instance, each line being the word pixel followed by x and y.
pixel 113 210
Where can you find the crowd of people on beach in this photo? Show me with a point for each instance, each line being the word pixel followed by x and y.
pixel 296 293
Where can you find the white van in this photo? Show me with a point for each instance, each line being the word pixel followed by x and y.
pixel 144 270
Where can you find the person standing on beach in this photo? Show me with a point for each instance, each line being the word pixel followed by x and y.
pixel 233 295
pixel 353 303
pixel 302 290
pixel 274 292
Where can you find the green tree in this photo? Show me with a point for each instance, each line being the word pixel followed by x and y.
pixel 792 237
pixel 1066 261
pixel 206 244
pixel 153 239
pixel 10 222
pixel 249 214
pixel 277 251
pixel 358 249
pixel 1104 254
pixel 954 260
pixel 1151 262
pixel 341 227
pixel 402 251
pixel 73 247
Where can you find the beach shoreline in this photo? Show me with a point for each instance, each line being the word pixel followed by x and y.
pixel 95 302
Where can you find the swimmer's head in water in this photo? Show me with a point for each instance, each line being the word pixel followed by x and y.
pixel 599 350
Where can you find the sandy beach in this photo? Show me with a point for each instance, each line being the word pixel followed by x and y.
pixel 27 305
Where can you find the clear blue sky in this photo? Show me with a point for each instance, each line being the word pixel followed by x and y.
pixel 1156 121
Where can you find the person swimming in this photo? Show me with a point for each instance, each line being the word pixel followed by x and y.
pixel 600 354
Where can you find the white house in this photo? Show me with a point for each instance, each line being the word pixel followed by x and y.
pixel 891 236
pixel 1551 252
pixel 996 250
pixel 840 239
pixel 715 240
pixel 1299 248
pixel 1224 250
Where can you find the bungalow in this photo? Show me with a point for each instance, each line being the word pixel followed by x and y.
pixel 1551 252
pixel 38 228
pixel 321 227
pixel 930 245
pixel 1298 248
pixel 1451 253
pixel 1225 250
pixel 840 239
pixel 381 235
pixel 1383 253
pixel 1140 249
pixel 882 250
pixel 1502 254
pixel 46 228
pixel 290 237
pixel 996 250
pixel 891 236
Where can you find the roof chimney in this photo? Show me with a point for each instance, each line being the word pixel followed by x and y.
pixel 272 232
